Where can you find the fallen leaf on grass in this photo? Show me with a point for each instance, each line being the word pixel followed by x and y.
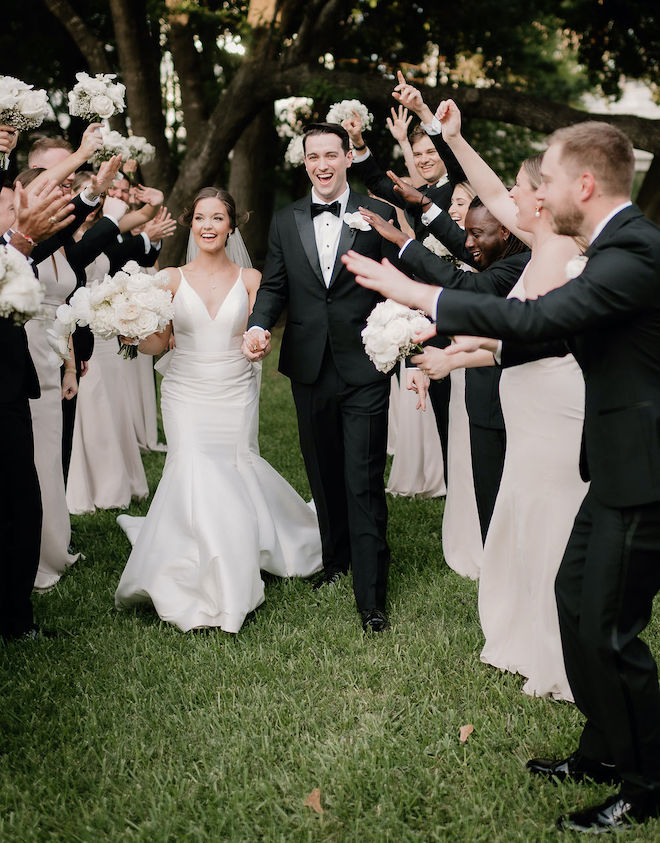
pixel 465 732
pixel 313 801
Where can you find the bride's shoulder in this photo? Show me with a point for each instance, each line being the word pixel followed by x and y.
pixel 251 279
pixel 174 273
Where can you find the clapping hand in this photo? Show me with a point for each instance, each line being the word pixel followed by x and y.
pixel 42 212
pixel 256 344
pixel 8 138
pixel 448 113
pixel 162 225
pixel 149 195
pixel 100 182
pixel 398 123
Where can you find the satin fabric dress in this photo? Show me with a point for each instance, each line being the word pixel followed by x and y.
pixel 221 513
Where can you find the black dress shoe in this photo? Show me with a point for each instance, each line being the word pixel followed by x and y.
pixel 615 813
pixel 327 578
pixel 374 620
pixel 574 767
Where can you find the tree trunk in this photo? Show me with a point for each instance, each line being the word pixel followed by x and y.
pixel 140 70
pixel 254 155
pixel 187 64
pixel 648 197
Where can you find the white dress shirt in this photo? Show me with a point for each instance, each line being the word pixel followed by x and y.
pixel 327 230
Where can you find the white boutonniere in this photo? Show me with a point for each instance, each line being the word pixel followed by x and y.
pixel 356 220
pixel 576 266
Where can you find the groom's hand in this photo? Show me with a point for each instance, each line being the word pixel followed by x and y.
pixel 256 344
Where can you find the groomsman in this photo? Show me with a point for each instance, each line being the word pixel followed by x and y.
pixel 341 399
pixel 610 573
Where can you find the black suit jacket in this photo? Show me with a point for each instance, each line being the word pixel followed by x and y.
pixel 131 247
pixel 610 315
pixel 318 315
pixel 19 377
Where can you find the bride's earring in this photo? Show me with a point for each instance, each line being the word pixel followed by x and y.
pixel 538 211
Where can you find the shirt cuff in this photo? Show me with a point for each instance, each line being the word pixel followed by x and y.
pixel 358 157
pixel 497 354
pixel 403 248
pixel 435 304
pixel 431 214
pixel 111 218
pixel 86 198
pixel 433 128
pixel 155 245
pixel 147 242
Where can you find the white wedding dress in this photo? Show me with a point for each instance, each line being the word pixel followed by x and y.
pixel 221 513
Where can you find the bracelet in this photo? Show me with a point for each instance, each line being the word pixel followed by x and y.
pixel 25 237
pixel 359 148
pixel 421 204
pixel 68 370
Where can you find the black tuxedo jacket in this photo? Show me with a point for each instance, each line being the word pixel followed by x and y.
pixel 43 250
pixel 482 385
pixel 449 232
pixel 19 377
pixel 131 247
pixel 318 315
pixel 610 316
pixel 381 185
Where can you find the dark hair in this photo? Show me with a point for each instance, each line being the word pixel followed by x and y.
pixel 326 129
pixel 601 149
pixel 512 245
pixel 214 193
pixel 26 177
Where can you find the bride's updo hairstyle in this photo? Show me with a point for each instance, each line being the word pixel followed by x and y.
pixel 214 193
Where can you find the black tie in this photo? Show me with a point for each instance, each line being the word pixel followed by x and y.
pixel 333 208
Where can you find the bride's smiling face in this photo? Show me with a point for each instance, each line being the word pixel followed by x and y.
pixel 211 224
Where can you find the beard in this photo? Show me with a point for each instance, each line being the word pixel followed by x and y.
pixel 567 220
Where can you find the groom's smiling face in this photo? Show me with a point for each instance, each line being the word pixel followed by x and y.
pixel 326 164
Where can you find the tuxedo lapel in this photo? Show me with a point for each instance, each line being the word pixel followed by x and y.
pixel 347 236
pixel 303 216
pixel 629 213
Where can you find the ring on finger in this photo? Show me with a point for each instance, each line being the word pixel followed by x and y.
pixel 52 220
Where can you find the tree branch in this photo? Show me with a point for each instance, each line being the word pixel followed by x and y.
pixel 89 45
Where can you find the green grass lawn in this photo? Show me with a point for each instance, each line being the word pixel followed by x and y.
pixel 124 728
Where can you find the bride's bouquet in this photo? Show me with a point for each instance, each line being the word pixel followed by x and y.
pixel 21 294
pixel 96 98
pixel 390 333
pixel 341 111
pixel 21 107
pixel 130 303
pixel 133 148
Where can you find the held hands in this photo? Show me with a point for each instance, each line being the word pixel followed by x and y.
pixel 398 124
pixel 470 344
pixel 256 344
pixel 383 227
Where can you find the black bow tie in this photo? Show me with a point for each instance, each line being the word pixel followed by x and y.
pixel 333 208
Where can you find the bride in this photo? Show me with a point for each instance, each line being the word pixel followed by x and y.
pixel 220 513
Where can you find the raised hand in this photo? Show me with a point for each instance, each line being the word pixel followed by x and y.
pixel 149 195
pixel 42 212
pixel 407 191
pixel 353 126
pixel 384 227
pixel 256 344
pixel 8 138
pixel 161 226
pixel 448 113
pixel 91 141
pixel 100 182
pixel 398 123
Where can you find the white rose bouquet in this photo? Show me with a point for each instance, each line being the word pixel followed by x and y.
pixel 130 303
pixel 21 294
pixel 135 147
pixel 21 107
pixel 96 98
pixel 390 333
pixel 341 111
pixel 295 154
pixel 434 245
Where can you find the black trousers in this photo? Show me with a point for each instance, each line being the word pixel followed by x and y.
pixel 605 587
pixel 487 450
pixel 440 393
pixel 343 438
pixel 20 519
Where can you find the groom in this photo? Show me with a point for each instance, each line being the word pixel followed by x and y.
pixel 341 399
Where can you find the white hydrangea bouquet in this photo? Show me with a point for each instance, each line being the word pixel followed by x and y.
pixel 341 111
pixel 133 148
pixel 390 333
pixel 21 294
pixel 21 107
pixel 295 153
pixel 130 303
pixel 96 98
